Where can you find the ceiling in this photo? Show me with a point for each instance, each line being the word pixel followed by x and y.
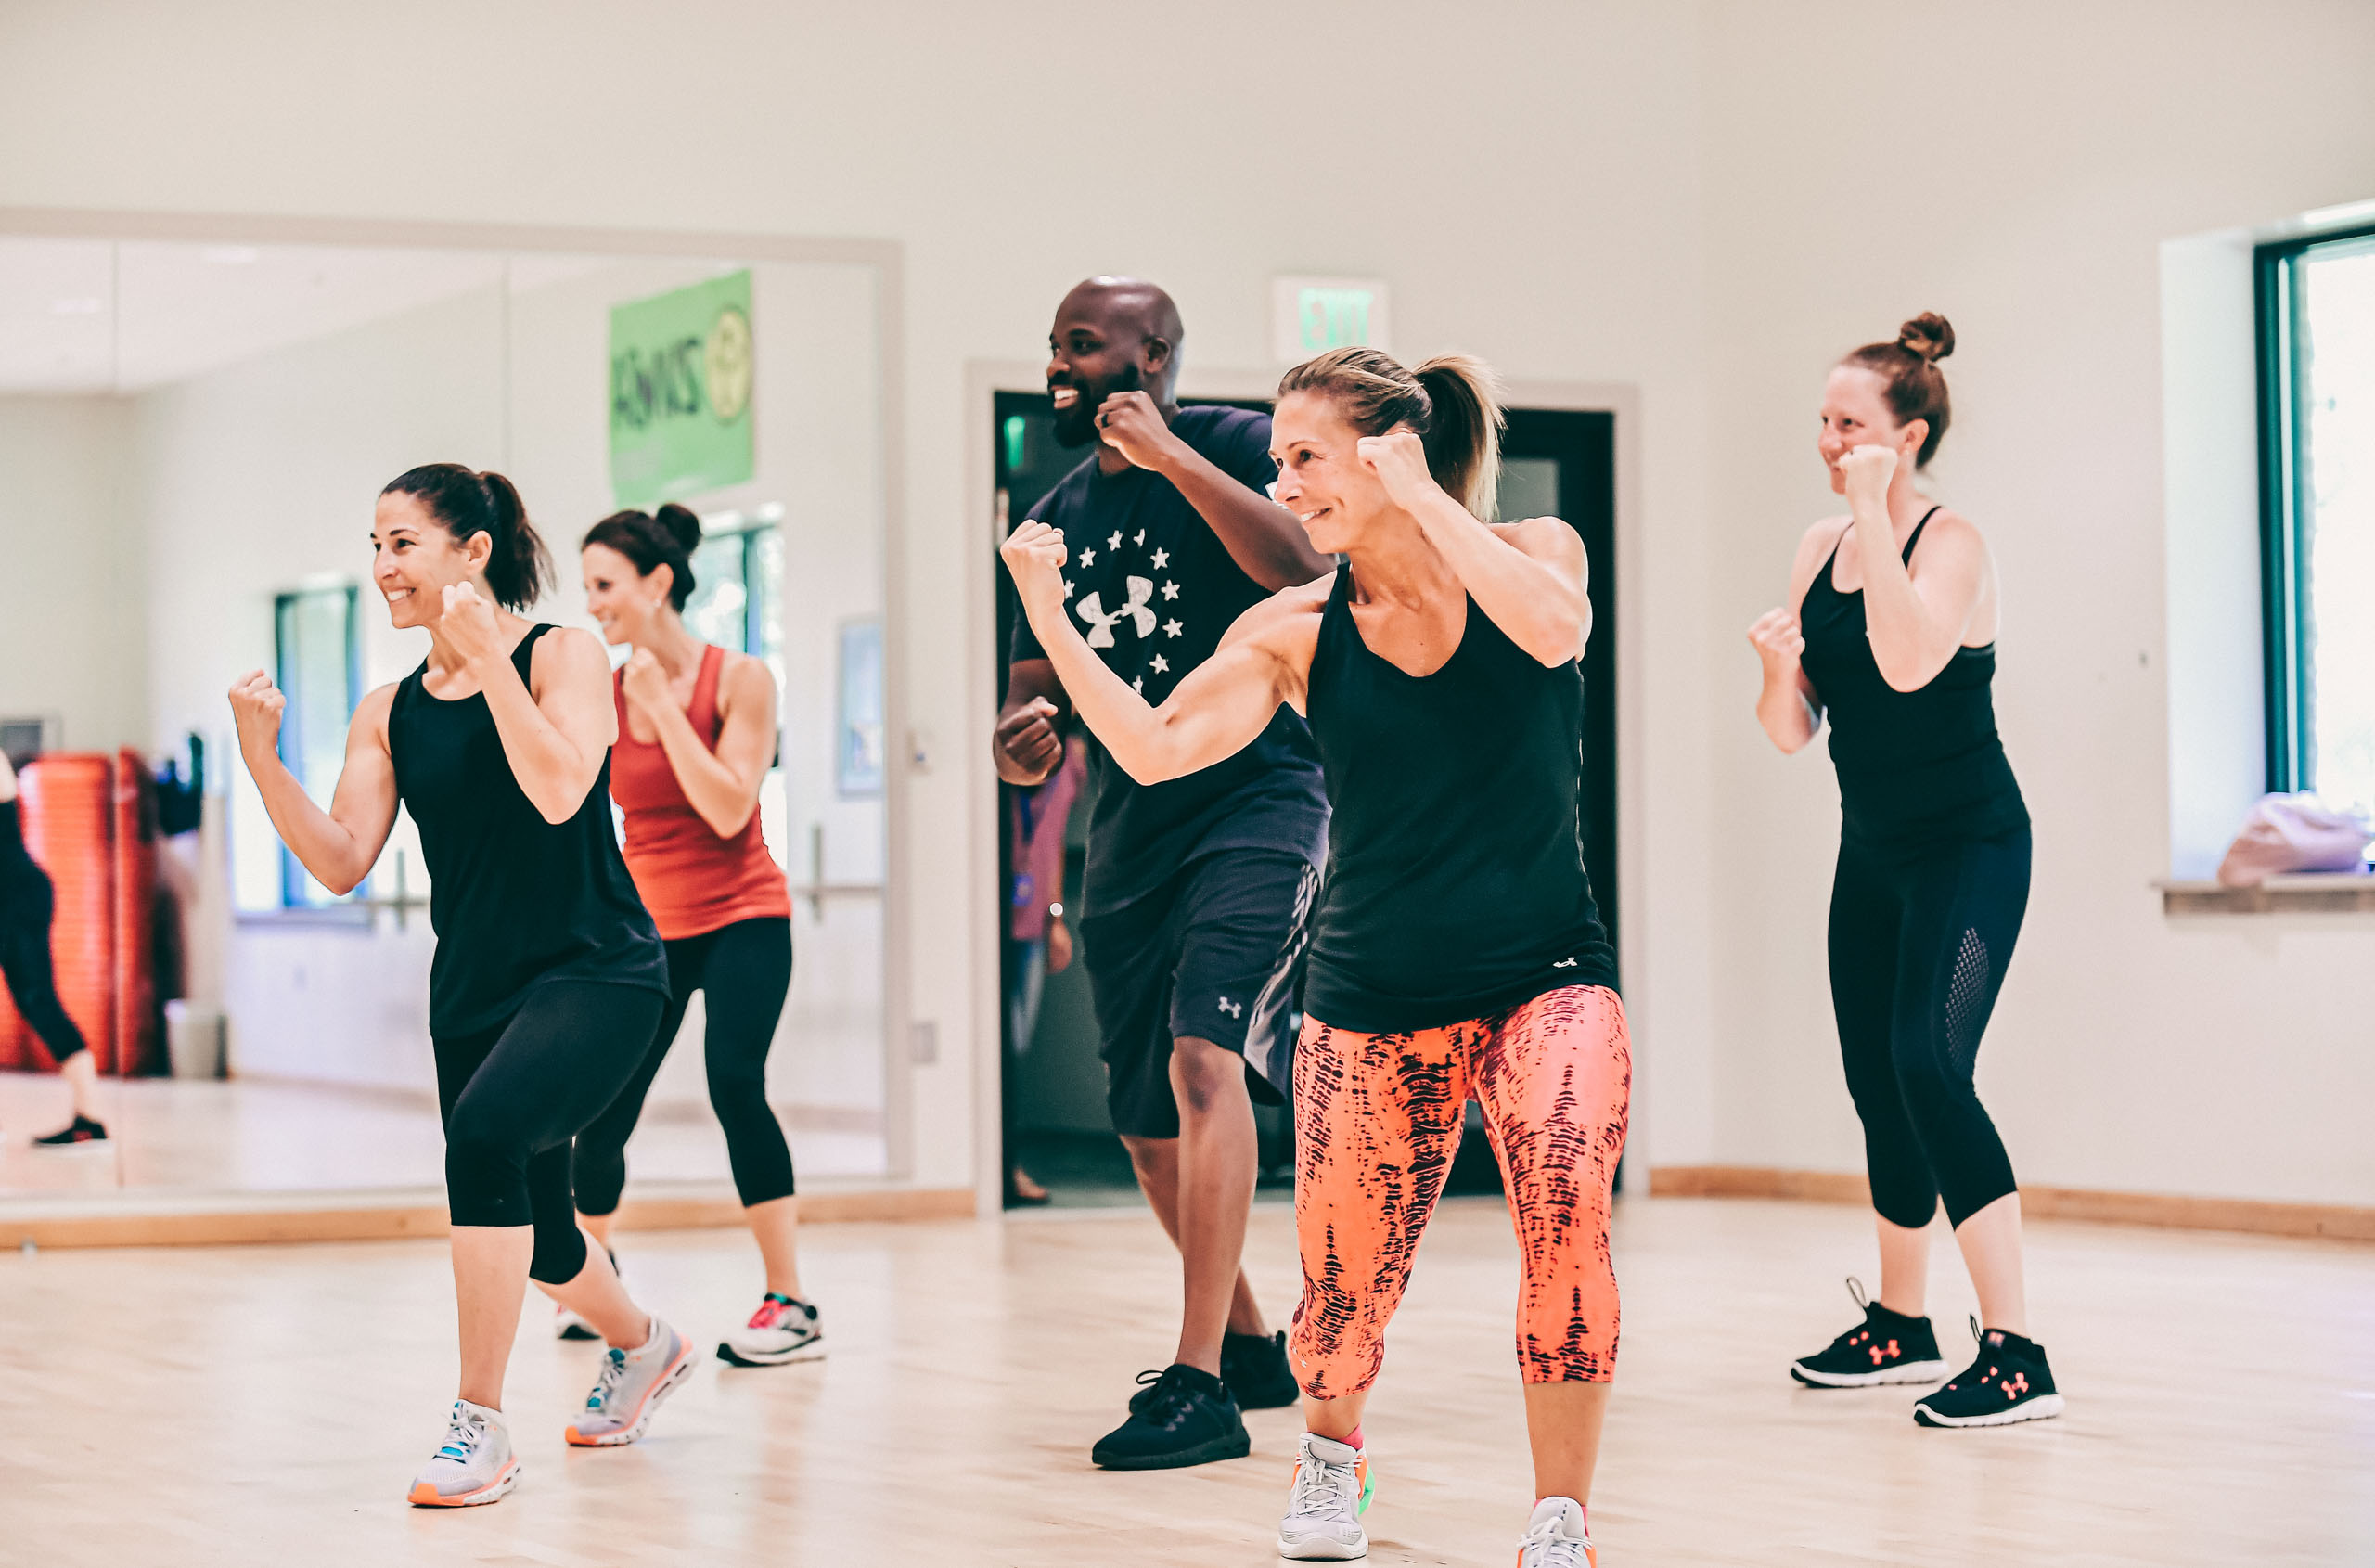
pixel 84 316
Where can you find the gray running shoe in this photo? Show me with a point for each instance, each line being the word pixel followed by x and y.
pixel 1331 1492
pixel 782 1329
pixel 1555 1537
pixel 476 1464
pixel 630 1388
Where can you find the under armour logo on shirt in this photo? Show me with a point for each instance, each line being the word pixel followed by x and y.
pixel 1235 1009
pixel 1092 609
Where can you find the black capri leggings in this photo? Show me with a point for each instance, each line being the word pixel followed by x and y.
pixel 514 1095
pixel 27 907
pixel 746 970
pixel 1919 944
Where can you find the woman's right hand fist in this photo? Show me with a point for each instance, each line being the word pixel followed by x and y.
pixel 1778 640
pixel 256 707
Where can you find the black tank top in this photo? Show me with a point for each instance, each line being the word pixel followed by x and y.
pixel 1916 768
pixel 1455 886
pixel 515 900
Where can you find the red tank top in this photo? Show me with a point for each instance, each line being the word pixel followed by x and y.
pixel 692 880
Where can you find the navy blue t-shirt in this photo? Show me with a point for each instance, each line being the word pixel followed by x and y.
pixel 1152 588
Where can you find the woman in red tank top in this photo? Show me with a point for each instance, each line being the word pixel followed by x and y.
pixel 697 730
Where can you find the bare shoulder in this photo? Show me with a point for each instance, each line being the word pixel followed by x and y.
pixel 1284 613
pixel 568 653
pixel 1950 538
pixel 371 713
pixel 742 681
pixel 1544 538
pixel 1821 537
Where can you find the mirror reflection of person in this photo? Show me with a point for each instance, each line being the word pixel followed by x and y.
pixel 28 907
pixel 1456 949
pixel 697 731
pixel 548 976
pixel 1040 940
pixel 1190 930
pixel 1890 634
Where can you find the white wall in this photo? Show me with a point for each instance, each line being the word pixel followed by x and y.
pixel 66 648
pixel 2017 167
pixel 1707 203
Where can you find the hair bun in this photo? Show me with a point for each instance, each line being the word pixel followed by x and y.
pixel 681 524
pixel 1929 335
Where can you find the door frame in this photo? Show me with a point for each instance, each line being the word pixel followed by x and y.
pixel 984 379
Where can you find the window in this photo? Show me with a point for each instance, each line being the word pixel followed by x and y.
pixel 2316 330
pixel 737 603
pixel 319 668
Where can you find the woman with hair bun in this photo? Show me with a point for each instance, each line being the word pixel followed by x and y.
pixel 696 733
pixel 1456 949
pixel 1897 649
pixel 548 975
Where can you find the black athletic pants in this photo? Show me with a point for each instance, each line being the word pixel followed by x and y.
pixel 1919 944
pixel 745 971
pixel 26 910
pixel 514 1095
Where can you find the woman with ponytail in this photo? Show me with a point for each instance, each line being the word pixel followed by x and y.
pixel 696 732
pixel 548 976
pixel 1898 651
pixel 1456 949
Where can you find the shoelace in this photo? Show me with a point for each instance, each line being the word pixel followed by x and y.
pixel 465 1434
pixel 614 1367
pixel 1321 1487
pixel 1558 1551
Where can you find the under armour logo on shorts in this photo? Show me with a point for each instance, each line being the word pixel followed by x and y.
pixel 1564 964
pixel 1235 1009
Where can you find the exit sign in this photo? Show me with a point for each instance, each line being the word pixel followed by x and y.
pixel 1310 315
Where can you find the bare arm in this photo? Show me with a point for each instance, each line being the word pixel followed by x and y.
pixel 1263 537
pixel 1216 712
pixel 1787 705
pixel 338 846
pixel 557 736
pixel 1914 622
pixel 1026 744
pixel 722 785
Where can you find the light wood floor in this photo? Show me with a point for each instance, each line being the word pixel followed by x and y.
pixel 267 1406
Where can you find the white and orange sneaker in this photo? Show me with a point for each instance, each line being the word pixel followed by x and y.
pixel 1556 1536
pixel 475 1466
pixel 630 1387
pixel 784 1328
pixel 1330 1492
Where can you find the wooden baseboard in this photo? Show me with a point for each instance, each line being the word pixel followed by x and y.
pixel 2249 1217
pixel 408 1220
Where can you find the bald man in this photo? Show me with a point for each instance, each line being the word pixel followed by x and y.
pixel 1197 889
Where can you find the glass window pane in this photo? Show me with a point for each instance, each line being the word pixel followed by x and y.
pixel 315 634
pixel 721 597
pixel 2335 363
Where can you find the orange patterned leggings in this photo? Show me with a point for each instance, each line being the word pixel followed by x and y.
pixel 1377 1122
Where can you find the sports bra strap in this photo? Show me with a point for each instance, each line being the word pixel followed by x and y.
pixel 1915 537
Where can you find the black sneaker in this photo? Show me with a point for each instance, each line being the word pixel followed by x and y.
pixel 1184 1417
pixel 1889 1347
pixel 2009 1383
pixel 1255 1367
pixel 84 1130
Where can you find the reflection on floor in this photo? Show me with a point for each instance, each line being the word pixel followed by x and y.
pixel 2222 1408
pixel 265 1136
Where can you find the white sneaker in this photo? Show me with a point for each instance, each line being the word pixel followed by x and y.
pixel 630 1388
pixel 1331 1492
pixel 782 1329
pixel 476 1464
pixel 1555 1537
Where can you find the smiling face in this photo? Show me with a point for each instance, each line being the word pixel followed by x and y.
pixel 622 599
pixel 1321 477
pixel 1856 413
pixel 1110 336
pixel 415 559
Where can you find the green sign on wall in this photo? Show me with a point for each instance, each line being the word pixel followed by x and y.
pixel 680 391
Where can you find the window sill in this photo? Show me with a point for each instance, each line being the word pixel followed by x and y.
pixel 2315 893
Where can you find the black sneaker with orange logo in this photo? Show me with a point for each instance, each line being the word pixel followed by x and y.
pixel 1888 1347
pixel 74 1134
pixel 2009 1383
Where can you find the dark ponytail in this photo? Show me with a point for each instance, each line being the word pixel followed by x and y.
pixel 1914 386
pixel 468 503
pixel 651 541
pixel 1452 402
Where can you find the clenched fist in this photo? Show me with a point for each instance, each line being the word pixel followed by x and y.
pixel 1028 738
pixel 645 683
pixel 1865 473
pixel 1779 641
pixel 1399 460
pixel 1035 554
pixel 256 708
pixel 469 625
pixel 1131 425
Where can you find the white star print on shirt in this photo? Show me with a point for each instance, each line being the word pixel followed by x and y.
pixel 1089 558
pixel 1171 590
pixel 1138 684
pixel 1115 542
pixel 1068 587
pixel 1140 538
pixel 1160 663
pixel 1172 628
pixel 1161 560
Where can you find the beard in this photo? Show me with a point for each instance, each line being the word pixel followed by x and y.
pixel 1076 426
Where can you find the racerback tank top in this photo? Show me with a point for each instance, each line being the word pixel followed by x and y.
pixel 1455 887
pixel 692 880
pixel 1916 768
pixel 515 900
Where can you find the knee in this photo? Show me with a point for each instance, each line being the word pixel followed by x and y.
pixel 735 1083
pixel 1208 1076
pixel 560 1255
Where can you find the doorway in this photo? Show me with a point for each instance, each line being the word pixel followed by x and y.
pixel 1560 462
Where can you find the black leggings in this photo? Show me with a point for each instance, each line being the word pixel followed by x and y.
pixel 26 910
pixel 1919 944
pixel 513 1096
pixel 746 970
